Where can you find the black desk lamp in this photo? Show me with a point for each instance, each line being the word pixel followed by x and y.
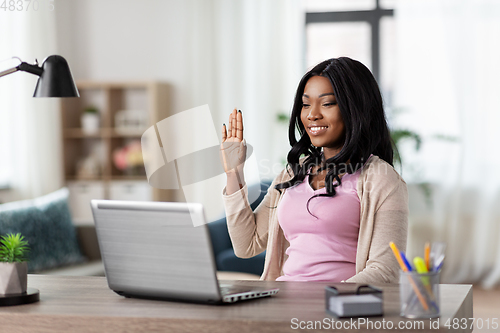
pixel 55 77
pixel 55 81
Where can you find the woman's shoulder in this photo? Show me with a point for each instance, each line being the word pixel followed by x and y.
pixel 287 173
pixel 379 171
pixel 380 181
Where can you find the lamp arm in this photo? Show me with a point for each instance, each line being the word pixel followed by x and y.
pixel 8 71
pixel 33 69
pixel 25 67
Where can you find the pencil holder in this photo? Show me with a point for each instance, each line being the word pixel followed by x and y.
pixel 419 294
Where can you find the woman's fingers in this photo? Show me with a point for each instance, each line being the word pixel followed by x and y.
pixel 239 126
pixel 224 132
pixel 233 127
pixel 230 131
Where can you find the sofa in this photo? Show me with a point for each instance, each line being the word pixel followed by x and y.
pixel 58 247
pixel 89 248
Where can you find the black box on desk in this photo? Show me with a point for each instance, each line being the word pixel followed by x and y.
pixel 353 300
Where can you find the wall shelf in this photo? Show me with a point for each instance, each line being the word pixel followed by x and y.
pixel 89 168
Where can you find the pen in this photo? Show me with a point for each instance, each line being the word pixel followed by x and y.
pixel 427 256
pixel 397 254
pixel 407 263
pixel 439 266
pixel 437 254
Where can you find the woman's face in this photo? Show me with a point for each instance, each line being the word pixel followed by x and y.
pixel 321 116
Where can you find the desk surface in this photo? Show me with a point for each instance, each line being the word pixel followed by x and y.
pixel 85 304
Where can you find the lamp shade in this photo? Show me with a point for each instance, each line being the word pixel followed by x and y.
pixel 56 79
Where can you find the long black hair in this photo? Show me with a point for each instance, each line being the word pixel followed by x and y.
pixel 366 131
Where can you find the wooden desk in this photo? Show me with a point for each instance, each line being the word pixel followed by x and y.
pixel 85 304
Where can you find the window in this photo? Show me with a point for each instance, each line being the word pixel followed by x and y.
pixel 360 29
pixel 5 127
pixel 5 150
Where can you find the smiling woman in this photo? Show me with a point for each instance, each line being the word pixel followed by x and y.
pixel 343 160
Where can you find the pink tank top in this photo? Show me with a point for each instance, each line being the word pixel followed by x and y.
pixel 322 248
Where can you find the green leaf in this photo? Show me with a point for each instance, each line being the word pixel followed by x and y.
pixel 282 118
pixel 398 135
pixel 13 248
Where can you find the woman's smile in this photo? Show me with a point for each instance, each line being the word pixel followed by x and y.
pixel 316 130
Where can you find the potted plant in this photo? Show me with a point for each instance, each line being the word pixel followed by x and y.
pixel 90 120
pixel 13 265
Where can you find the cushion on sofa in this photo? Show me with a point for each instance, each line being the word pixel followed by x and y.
pixel 46 224
pixel 228 261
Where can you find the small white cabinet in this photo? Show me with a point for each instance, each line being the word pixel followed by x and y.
pixel 130 190
pixel 80 194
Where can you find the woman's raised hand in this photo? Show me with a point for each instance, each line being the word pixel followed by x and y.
pixel 233 148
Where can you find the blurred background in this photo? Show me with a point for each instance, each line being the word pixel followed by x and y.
pixel 138 62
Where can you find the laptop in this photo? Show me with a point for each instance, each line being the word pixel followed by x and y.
pixel 152 250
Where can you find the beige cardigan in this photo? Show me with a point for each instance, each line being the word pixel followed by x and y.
pixel 383 218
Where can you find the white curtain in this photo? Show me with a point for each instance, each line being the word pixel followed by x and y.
pixel 448 84
pixel 30 126
pixel 246 54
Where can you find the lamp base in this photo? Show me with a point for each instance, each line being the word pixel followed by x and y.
pixel 31 295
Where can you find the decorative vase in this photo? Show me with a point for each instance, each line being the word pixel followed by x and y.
pixel 13 277
pixel 90 123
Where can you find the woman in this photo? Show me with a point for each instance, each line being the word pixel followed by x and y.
pixel 330 215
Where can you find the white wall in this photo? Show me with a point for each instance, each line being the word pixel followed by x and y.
pixel 128 40
pixel 218 52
